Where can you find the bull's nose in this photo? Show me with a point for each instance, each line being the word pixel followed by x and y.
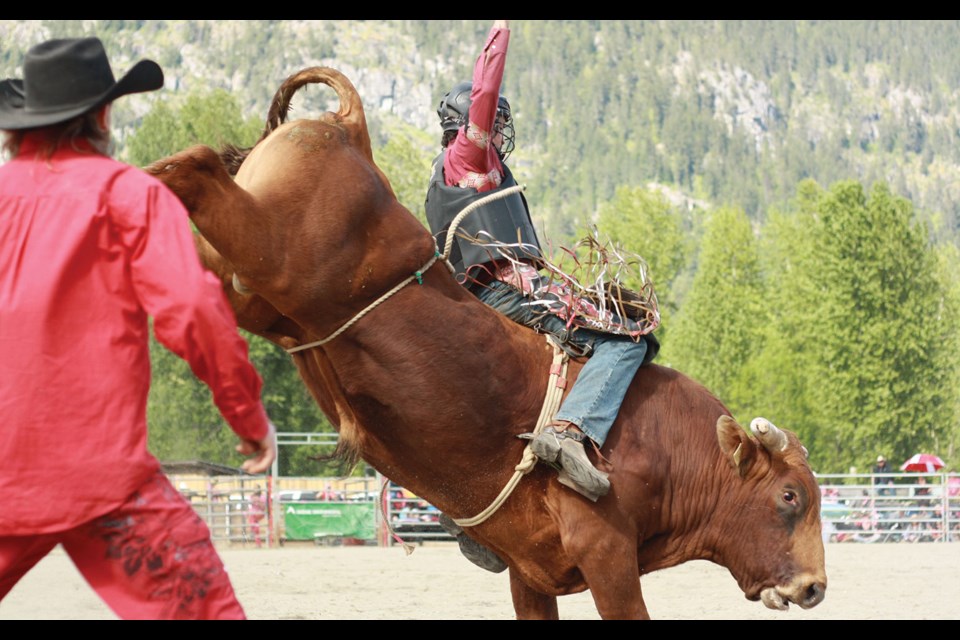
pixel 814 596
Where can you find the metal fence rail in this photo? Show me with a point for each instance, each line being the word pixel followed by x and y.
pixel 913 507
pixel 224 504
pixel 894 507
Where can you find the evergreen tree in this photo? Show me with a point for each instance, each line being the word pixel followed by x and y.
pixel 945 441
pixel 213 119
pixel 878 339
pixel 715 333
pixel 783 368
pixel 405 158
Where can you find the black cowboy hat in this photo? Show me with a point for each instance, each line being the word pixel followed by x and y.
pixel 64 78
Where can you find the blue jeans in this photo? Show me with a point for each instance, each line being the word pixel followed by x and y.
pixel 594 400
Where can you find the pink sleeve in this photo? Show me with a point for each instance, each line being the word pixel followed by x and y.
pixel 192 316
pixel 464 155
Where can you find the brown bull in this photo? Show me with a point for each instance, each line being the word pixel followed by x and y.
pixel 431 387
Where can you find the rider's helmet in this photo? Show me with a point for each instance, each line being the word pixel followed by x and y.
pixel 455 107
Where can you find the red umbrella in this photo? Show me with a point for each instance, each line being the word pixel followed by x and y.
pixel 923 462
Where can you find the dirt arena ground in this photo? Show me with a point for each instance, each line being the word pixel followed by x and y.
pixel 306 582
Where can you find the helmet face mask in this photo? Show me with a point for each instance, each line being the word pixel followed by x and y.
pixel 454 110
pixel 504 126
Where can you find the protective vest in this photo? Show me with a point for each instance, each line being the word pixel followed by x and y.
pixel 505 220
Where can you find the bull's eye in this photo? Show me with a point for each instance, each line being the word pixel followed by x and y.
pixel 789 497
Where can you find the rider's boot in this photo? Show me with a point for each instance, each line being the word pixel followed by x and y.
pixel 471 549
pixel 563 448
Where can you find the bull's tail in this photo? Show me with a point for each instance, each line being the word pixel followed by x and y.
pixel 350 115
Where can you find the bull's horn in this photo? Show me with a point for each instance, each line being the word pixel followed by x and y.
pixel 768 434
pixel 239 286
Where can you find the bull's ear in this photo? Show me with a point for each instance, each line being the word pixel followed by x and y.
pixel 735 444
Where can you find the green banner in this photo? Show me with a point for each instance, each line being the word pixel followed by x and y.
pixel 308 520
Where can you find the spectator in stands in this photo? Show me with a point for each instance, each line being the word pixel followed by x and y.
pixel 864 502
pixel 256 511
pixel 213 494
pixel 922 493
pixel 429 513
pixel 408 514
pixel 879 480
pixel 328 494
pixel 399 501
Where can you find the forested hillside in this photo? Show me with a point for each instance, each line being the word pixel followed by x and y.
pixel 734 112
pixel 793 185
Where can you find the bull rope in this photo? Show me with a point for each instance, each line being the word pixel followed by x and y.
pixel 558 369
pixel 417 275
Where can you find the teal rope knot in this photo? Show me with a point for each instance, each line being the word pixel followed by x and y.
pixel 419 274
